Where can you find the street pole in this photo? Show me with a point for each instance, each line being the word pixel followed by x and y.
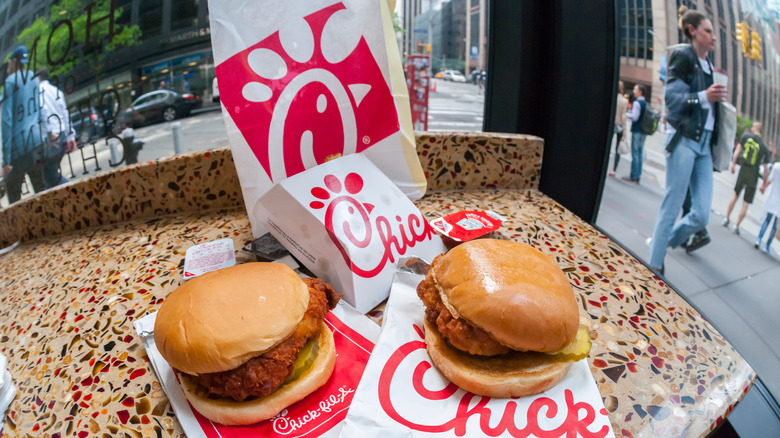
pixel 468 38
pixel 482 19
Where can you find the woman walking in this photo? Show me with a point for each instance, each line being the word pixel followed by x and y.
pixel 692 101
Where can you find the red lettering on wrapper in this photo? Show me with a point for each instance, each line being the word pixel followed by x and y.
pixel 353 220
pixel 322 409
pixel 571 427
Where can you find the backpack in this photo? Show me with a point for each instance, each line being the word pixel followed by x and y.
pixel 648 121
pixel 750 153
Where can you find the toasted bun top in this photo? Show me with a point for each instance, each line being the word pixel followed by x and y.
pixel 221 319
pixel 511 290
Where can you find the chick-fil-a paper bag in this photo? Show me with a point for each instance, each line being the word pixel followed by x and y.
pixel 402 394
pixel 303 80
pixel 349 225
pixel 321 413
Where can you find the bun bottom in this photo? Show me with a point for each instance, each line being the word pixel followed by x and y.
pixel 234 413
pixel 510 375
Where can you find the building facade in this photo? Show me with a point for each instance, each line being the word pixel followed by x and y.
pixel 647 28
pixel 458 34
pixel 172 49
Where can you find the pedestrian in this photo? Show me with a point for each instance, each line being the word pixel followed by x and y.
pixel 771 207
pixel 638 109
pixel 23 120
pixel 692 111
pixel 751 153
pixel 61 138
pixel 620 124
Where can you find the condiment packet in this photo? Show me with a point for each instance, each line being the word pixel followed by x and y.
pixel 467 225
pixel 403 395
pixel 208 257
pixel 319 414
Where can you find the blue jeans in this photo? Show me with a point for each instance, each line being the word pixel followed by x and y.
pixel 689 165
pixel 51 168
pixel 637 154
pixel 769 217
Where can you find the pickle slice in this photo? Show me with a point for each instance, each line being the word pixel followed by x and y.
pixel 577 349
pixel 305 359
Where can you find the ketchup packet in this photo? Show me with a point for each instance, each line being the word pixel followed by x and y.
pixel 402 394
pixel 467 225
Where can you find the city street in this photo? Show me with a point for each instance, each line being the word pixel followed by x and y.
pixel 455 107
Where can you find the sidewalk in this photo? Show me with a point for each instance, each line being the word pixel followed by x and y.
pixel 735 286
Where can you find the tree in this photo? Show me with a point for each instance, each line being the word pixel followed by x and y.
pixel 61 36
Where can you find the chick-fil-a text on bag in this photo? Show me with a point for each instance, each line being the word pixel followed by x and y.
pixel 348 224
pixel 303 80
pixel 319 414
pixel 402 394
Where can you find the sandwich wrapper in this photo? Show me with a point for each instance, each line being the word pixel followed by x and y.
pixel 304 80
pixel 7 389
pixel 402 394
pixel 319 414
pixel 348 224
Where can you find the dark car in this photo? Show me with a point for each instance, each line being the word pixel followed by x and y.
pixel 87 123
pixel 160 105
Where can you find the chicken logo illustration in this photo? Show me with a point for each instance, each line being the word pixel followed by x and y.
pixel 310 90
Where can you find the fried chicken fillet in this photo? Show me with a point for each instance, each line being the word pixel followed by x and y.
pixel 262 375
pixel 458 332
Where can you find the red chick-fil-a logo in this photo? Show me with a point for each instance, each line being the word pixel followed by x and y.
pixel 346 215
pixel 572 425
pixel 285 426
pixel 310 90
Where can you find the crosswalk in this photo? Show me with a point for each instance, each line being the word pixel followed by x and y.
pixel 457 107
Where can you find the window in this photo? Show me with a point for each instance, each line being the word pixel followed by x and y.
pixel 126 12
pixel 184 14
pixel 723 49
pixel 150 18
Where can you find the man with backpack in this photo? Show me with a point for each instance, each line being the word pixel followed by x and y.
pixel 751 152
pixel 638 110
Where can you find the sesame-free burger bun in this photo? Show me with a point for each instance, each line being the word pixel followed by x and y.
pixel 507 375
pixel 514 292
pixel 230 412
pixel 265 301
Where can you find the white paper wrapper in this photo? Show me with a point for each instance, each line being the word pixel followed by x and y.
pixel 403 395
pixel 7 389
pixel 319 414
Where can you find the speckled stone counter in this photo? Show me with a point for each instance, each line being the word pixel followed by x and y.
pixel 99 253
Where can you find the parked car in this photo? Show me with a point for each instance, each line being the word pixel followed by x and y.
pixel 87 123
pixel 160 105
pixel 454 76
pixel 214 91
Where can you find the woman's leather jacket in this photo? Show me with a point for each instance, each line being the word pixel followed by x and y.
pixel 684 112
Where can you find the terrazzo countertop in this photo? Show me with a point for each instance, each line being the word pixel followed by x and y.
pixel 70 292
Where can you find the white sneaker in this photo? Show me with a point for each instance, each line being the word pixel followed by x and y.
pixel 725 222
pixel 736 231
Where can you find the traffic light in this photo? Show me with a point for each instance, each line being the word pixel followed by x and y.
pixel 743 37
pixel 755 46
